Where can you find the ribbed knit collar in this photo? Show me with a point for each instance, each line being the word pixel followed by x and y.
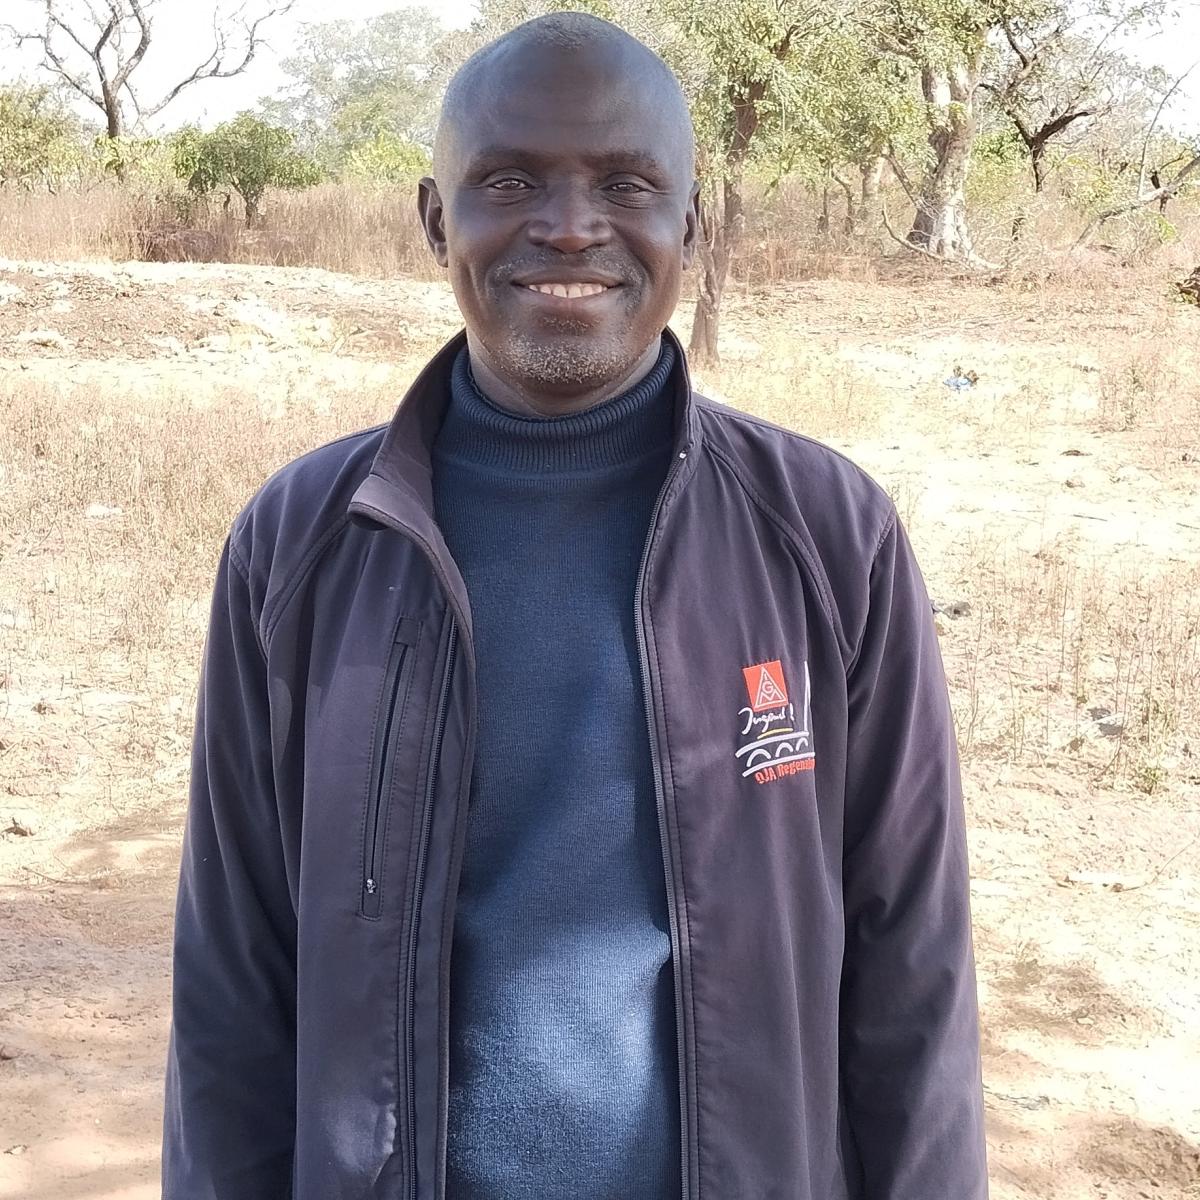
pixel 614 432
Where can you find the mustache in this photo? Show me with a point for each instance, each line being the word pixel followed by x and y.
pixel 602 264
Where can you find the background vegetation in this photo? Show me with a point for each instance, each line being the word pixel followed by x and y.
pixel 992 135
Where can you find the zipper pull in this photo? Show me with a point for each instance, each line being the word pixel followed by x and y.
pixel 371 886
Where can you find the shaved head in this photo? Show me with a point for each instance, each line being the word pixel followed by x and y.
pixel 564 206
pixel 568 34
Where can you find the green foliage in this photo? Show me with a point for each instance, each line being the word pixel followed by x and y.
pixel 999 147
pixel 386 159
pixel 145 158
pixel 361 83
pixel 41 144
pixel 855 103
pixel 247 155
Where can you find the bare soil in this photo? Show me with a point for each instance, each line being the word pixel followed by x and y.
pixel 1054 505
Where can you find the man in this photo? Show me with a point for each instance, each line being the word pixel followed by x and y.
pixel 575 809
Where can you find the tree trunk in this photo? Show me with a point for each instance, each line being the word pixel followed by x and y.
pixel 721 232
pixel 940 224
pixel 721 228
pixel 702 346
pixel 850 218
pixel 867 216
pixel 114 129
pixel 823 218
pixel 1037 159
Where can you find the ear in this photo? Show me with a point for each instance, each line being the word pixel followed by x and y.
pixel 429 204
pixel 692 227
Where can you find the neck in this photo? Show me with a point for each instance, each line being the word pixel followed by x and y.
pixel 528 401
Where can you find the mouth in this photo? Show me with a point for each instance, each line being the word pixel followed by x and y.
pixel 569 289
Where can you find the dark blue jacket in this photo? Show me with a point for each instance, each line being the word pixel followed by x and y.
pixel 809 808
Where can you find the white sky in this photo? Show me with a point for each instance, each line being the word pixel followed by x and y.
pixel 182 36
pixel 182 26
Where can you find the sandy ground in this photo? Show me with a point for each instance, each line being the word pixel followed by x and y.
pixel 1054 506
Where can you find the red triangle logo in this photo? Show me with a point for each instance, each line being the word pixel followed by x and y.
pixel 766 685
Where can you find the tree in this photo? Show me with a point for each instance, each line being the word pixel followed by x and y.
pixel 95 47
pixel 361 84
pixel 740 63
pixel 1060 66
pixel 946 41
pixel 246 154
pixel 857 102
pixel 40 141
pixel 1167 163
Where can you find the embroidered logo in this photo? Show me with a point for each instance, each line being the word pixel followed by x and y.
pixel 778 745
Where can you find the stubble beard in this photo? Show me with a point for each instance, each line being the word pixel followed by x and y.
pixel 565 353
pixel 572 359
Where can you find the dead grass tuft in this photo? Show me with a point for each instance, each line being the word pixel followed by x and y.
pixel 1086 664
pixel 136 499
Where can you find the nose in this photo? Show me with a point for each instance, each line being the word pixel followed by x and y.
pixel 569 220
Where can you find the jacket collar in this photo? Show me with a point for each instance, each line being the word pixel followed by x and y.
pixel 398 489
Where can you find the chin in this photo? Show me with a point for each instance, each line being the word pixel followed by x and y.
pixel 576 362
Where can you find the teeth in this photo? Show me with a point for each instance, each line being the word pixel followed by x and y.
pixel 568 291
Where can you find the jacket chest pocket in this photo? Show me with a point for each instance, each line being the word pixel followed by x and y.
pixel 392 707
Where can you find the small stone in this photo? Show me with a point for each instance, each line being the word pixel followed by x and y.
pixel 100 512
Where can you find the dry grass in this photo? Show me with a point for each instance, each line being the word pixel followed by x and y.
pixel 1053 511
pixel 115 508
pixel 798 384
pixel 1078 662
pixel 1073 654
pixel 358 230
pixel 374 231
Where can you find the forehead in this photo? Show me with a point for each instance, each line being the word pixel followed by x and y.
pixel 573 106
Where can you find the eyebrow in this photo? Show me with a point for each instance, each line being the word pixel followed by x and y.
pixel 491 157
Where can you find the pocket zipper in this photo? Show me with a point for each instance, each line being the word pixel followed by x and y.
pixel 398 659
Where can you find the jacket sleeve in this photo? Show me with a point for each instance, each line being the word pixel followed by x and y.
pixel 229 1114
pixel 909 1011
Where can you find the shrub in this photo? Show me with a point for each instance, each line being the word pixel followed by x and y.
pixel 247 155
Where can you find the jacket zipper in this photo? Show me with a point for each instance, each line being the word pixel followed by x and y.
pixel 660 804
pixel 418 886
pixel 372 889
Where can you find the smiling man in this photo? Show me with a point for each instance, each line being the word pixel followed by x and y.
pixel 575 809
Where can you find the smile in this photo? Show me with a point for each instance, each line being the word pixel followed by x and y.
pixel 568 291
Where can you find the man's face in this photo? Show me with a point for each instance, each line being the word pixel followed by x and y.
pixel 565 211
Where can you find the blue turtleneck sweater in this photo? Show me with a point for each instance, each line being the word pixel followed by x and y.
pixel 563 1067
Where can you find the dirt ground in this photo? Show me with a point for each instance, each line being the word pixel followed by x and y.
pixel 1042 447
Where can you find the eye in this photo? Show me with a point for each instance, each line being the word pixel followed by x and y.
pixel 508 183
pixel 626 187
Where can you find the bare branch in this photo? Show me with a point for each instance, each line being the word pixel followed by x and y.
pixel 902 176
pixel 214 66
pixel 1154 123
pixel 102 32
pixel 54 21
pixel 1015 45
pixel 130 65
pixel 1182 180
pixel 1062 121
pixel 973 263
pixel 55 63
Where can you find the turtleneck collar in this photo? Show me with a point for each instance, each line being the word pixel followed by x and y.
pixel 613 433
